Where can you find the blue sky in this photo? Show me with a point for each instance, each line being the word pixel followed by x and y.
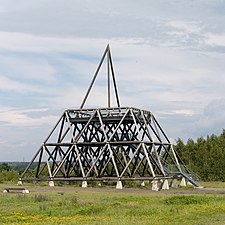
pixel 168 58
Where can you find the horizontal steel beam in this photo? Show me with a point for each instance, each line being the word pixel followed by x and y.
pixel 99 143
pixel 100 178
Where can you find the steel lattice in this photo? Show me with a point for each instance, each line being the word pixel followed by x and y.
pixel 121 143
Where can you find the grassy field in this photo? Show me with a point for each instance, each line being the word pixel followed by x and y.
pixel 105 205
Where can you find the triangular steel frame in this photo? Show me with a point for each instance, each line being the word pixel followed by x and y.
pixel 120 143
pixel 110 73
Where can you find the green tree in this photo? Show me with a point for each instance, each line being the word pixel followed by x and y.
pixel 4 166
pixel 206 156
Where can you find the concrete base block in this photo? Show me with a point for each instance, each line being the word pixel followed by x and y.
pixel 84 184
pixel 155 185
pixel 200 187
pixel 183 182
pixel 5 191
pixel 19 182
pixel 26 191
pixel 165 185
pixel 99 184
pixel 174 183
pixel 51 183
pixel 119 184
pixel 189 183
pixel 142 183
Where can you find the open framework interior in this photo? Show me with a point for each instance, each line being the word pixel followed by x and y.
pixel 112 143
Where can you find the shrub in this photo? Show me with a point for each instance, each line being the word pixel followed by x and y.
pixel 10 175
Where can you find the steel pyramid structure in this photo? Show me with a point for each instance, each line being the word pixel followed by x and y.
pixel 112 143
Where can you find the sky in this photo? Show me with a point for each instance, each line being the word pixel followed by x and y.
pixel 168 56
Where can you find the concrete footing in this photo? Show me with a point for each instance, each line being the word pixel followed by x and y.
pixel 183 182
pixel 189 183
pixel 155 185
pixel 84 184
pixel 174 183
pixel 165 185
pixel 119 184
pixel 19 182
pixel 51 183
pixel 26 191
pixel 142 183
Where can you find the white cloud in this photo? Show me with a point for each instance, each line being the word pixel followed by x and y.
pixel 212 119
pixel 20 117
pixel 14 86
pixel 17 41
pixel 27 68
pixel 216 39
pixel 186 112
pixel 186 26
pixel 10 6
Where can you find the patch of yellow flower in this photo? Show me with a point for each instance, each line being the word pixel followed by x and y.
pixel 20 218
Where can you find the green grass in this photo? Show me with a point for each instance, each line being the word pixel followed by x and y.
pixel 213 184
pixel 74 205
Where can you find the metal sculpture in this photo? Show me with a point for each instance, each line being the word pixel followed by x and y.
pixel 120 143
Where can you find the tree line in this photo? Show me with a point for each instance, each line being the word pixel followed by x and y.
pixel 7 173
pixel 205 156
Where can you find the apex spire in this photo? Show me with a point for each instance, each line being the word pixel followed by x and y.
pixel 110 74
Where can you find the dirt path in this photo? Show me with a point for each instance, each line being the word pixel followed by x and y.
pixel 71 189
pixel 145 190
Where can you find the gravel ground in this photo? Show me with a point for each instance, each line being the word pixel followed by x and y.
pixel 146 190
